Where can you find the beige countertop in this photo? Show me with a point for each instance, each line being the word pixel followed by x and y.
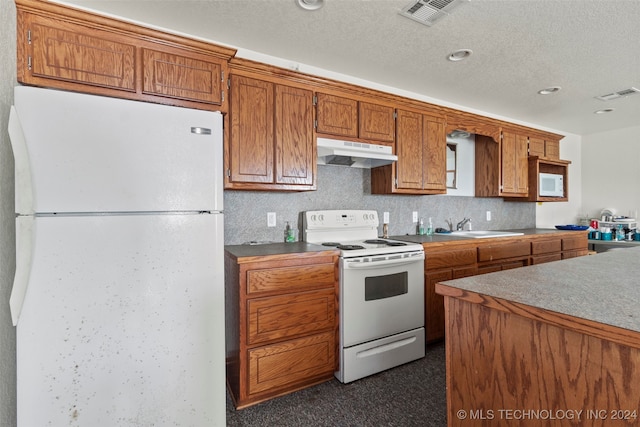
pixel 603 288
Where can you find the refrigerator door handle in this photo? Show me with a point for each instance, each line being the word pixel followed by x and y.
pixel 23 184
pixel 24 255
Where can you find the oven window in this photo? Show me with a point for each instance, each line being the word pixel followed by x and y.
pixel 390 285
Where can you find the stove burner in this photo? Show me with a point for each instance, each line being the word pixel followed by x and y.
pixel 330 244
pixel 384 242
pixel 376 241
pixel 350 247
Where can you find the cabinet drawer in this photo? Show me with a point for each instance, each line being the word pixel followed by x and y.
pixel 546 258
pixel 507 250
pixel 578 243
pixel 283 364
pixel 290 278
pixel 453 258
pixel 290 315
pixel 546 247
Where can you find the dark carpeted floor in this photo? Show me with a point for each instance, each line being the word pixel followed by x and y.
pixel 408 395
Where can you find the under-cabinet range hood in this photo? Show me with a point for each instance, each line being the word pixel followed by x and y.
pixel 353 154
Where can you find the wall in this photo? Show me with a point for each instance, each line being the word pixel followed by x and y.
pixel 613 161
pixel 349 188
pixel 7 233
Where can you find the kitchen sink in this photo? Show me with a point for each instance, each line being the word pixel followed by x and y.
pixel 480 234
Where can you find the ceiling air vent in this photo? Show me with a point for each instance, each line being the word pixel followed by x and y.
pixel 428 11
pixel 619 94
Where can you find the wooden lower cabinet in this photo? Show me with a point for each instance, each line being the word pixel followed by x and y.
pixel 454 260
pixel 281 324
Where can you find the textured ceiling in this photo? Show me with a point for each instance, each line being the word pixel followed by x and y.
pixel 588 47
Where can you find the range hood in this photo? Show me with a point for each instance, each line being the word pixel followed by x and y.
pixel 353 154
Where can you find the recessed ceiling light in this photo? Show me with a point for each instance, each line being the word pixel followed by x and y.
pixel 459 55
pixel 549 90
pixel 310 4
pixel 605 111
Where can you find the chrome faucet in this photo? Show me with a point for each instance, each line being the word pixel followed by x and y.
pixel 460 225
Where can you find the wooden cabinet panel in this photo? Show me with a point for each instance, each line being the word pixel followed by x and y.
pixel 536 147
pixel 552 150
pixel 182 77
pixel 435 155
pixel 450 258
pixel 277 366
pixel 252 130
pixel 287 279
pixel 578 242
pixel 409 150
pixel 545 148
pixel 64 51
pixel 495 252
pixel 376 122
pixel 514 165
pixel 337 115
pixel 295 153
pixel 541 259
pixel 434 305
pixel 546 246
pixel 289 315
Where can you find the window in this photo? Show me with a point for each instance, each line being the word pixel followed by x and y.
pixel 452 162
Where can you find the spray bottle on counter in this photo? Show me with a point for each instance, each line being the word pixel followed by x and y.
pixel 289 235
pixel 430 228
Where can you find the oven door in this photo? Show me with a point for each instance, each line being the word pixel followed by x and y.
pixel 380 296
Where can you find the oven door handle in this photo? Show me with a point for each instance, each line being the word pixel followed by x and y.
pixel 382 264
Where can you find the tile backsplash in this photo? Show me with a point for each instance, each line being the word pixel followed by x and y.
pixel 350 188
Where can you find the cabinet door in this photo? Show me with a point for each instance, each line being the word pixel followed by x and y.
pixel 552 150
pixel 282 365
pixel 409 150
pixel 181 77
pixel 515 165
pixel 376 122
pixel 536 147
pixel 337 115
pixel 251 133
pixel 74 53
pixel 434 304
pixel 435 154
pixel 295 154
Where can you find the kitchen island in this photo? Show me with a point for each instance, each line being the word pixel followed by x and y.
pixel 550 344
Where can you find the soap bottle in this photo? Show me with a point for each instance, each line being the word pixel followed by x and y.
pixel 421 230
pixel 430 228
pixel 289 235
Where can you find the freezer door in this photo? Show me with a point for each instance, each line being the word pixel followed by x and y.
pixel 123 323
pixel 86 153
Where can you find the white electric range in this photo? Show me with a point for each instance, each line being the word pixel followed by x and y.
pixel 381 292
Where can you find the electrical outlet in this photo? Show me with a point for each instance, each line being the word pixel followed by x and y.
pixel 488 215
pixel 415 216
pixel 385 217
pixel 271 219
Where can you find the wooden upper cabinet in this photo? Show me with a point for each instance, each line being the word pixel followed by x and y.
pixel 376 122
pixel 65 48
pixel 514 165
pixel 421 150
pixel 295 153
pixel 251 114
pixel 270 142
pixel 502 166
pixel 544 148
pixel 337 115
pixel 182 77
pixel 340 116
pixel 72 53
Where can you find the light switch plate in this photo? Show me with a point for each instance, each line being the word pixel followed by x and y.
pixel 488 215
pixel 271 219
pixel 385 217
pixel 415 216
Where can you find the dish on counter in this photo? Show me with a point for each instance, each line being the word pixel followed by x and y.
pixel 572 227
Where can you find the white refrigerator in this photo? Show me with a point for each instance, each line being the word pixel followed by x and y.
pixel 118 296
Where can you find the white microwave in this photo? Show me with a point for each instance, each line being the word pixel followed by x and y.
pixel 551 185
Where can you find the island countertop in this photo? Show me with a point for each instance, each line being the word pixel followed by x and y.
pixel 603 288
